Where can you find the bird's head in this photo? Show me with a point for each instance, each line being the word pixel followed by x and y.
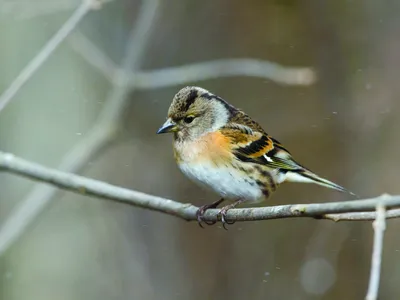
pixel 194 112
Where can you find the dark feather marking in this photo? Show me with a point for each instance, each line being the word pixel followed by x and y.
pixel 279 145
pixel 271 182
pixel 265 192
pixel 190 99
pixel 283 171
pixel 244 158
pixel 304 174
pixel 267 175
pixel 263 187
pixel 255 146
pixel 232 110
pixel 272 152
pixel 260 183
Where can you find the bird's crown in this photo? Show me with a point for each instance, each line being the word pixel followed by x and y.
pixel 193 98
pixel 195 111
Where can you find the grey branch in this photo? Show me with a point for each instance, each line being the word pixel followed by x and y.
pixel 362 216
pixel 96 139
pixel 186 211
pixel 45 52
pixel 379 229
pixel 93 55
pixel 193 72
pixel 223 68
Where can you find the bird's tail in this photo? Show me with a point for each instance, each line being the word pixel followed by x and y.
pixel 307 176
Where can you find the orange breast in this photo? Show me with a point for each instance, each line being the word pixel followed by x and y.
pixel 213 147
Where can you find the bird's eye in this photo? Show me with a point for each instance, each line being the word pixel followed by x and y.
pixel 188 119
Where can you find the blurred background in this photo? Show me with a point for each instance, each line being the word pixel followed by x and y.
pixel 77 114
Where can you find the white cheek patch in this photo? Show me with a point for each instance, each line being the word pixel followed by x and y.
pixel 221 116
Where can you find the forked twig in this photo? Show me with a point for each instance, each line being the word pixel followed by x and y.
pixel 379 229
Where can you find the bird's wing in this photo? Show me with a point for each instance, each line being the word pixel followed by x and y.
pixel 250 143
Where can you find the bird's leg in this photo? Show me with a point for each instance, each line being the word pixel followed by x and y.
pixel 202 209
pixel 225 209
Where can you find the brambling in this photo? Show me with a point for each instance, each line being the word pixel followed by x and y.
pixel 223 149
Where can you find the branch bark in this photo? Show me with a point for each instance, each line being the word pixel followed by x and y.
pixel 379 226
pixel 86 186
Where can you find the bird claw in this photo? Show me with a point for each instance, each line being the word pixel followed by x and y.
pixel 201 211
pixel 224 210
pixel 222 214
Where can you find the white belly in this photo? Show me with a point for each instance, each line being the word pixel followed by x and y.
pixel 228 183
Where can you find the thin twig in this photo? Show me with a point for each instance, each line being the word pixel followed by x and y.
pixel 93 55
pixel 90 187
pixel 193 72
pixel 224 68
pixel 379 229
pixel 96 139
pixel 23 10
pixel 45 53
pixel 362 216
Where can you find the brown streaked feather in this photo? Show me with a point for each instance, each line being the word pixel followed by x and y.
pixel 252 144
pixel 241 118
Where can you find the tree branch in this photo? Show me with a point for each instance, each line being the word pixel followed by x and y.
pixel 97 138
pixel 24 10
pixel 193 72
pixel 93 55
pixel 362 216
pixel 91 187
pixel 223 68
pixel 379 226
pixel 45 52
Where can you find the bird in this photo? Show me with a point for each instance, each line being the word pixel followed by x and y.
pixel 221 148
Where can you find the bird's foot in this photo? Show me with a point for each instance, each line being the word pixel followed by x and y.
pixel 202 209
pixel 224 210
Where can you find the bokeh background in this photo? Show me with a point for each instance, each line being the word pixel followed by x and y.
pixel 345 127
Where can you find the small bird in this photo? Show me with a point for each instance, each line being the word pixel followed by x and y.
pixel 221 148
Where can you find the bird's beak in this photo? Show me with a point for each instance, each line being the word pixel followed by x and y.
pixel 168 126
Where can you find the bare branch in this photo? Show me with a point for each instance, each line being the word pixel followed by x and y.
pixel 98 137
pixel 223 68
pixel 93 55
pixel 23 10
pixel 91 187
pixel 362 216
pixel 379 229
pixel 30 9
pixel 193 72
pixel 45 52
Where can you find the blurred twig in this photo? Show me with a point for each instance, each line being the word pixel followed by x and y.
pixel 93 55
pixel 364 216
pixel 46 51
pixel 99 136
pixel 29 9
pixel 22 10
pixel 379 229
pixel 223 68
pixel 193 72
pixel 91 187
